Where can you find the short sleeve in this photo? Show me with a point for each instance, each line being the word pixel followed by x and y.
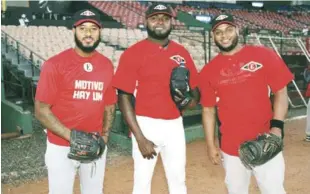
pixel 110 95
pixel 126 74
pixel 48 84
pixel 207 91
pixel 277 73
pixel 308 91
pixel 192 69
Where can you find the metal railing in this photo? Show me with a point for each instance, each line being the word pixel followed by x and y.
pixel 15 47
pixel 303 49
pixel 18 53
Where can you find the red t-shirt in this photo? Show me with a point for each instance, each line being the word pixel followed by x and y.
pixel 77 88
pixel 238 86
pixel 308 91
pixel 146 66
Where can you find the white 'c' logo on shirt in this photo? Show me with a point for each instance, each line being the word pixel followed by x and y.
pixel 252 66
pixel 88 67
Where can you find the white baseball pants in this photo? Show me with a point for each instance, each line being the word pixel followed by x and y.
pixel 269 177
pixel 62 171
pixel 169 137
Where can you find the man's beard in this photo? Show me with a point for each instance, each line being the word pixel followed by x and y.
pixel 86 49
pixel 230 48
pixel 155 36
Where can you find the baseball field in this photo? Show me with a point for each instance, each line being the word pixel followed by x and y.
pixel 27 175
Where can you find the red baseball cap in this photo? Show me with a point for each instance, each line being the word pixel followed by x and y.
pixel 86 15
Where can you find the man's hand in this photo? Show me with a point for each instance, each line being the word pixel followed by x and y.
pixel 214 154
pixel 105 139
pixel 276 131
pixel 105 136
pixel 178 98
pixel 147 148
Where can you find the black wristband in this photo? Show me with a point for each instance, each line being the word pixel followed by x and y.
pixel 278 124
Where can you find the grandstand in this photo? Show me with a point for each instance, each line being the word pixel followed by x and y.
pixel 24 49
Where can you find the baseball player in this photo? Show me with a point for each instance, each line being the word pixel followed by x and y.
pixel 75 92
pixel 236 84
pixel 156 121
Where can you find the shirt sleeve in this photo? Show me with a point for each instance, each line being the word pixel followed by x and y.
pixel 110 95
pixel 277 73
pixel 308 91
pixel 207 91
pixel 193 79
pixel 48 84
pixel 126 74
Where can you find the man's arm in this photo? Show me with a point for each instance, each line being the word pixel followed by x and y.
pixel 44 114
pixel 127 109
pixel 208 123
pixel 146 147
pixel 108 119
pixel 280 106
pixel 196 98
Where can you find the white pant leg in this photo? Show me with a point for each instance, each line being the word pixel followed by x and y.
pixel 270 176
pixel 61 170
pixel 237 177
pixel 144 168
pixel 92 175
pixel 174 156
pixel 308 119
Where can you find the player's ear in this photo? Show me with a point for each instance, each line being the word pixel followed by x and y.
pixel 73 30
pixel 212 35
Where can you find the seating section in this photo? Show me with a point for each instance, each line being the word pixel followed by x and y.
pixel 304 18
pixel 131 14
pixel 257 19
pixel 48 41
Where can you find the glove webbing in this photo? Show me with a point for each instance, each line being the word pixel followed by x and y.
pixel 186 100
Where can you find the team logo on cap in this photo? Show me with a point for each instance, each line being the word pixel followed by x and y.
pixel 88 67
pixel 178 59
pixel 221 17
pixel 87 13
pixel 160 7
pixel 252 66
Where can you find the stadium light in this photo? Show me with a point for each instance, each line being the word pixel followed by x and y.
pixel 258 4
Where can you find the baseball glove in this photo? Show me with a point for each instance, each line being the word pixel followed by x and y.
pixel 261 150
pixel 85 147
pixel 179 86
pixel 306 75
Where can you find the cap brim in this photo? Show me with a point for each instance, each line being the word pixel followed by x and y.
pixel 87 20
pixel 155 13
pixel 224 22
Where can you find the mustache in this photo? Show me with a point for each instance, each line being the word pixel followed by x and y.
pixel 159 26
pixel 88 37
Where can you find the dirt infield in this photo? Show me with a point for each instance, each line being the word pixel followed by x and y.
pixel 202 176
